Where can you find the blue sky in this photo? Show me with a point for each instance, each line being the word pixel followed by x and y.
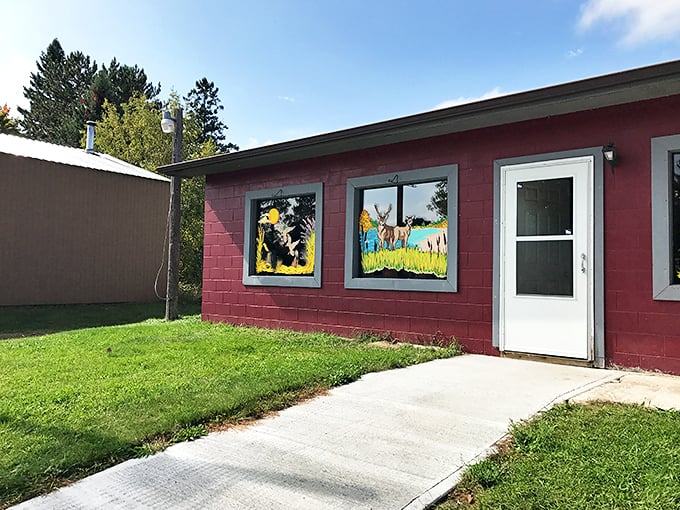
pixel 289 69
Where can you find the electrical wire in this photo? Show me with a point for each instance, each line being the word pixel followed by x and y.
pixel 163 259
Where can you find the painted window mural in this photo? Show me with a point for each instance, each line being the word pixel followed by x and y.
pixel 286 233
pixel 399 230
pixel 283 238
pixel 403 231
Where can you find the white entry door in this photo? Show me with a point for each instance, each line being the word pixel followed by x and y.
pixel 546 258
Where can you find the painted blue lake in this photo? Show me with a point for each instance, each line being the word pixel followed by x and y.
pixel 417 235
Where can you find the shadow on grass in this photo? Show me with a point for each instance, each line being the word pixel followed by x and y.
pixel 22 321
pixel 55 467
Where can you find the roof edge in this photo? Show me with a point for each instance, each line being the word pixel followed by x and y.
pixel 622 87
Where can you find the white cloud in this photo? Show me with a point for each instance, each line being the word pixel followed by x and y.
pixel 575 53
pixel 495 92
pixel 15 75
pixel 643 20
pixel 287 99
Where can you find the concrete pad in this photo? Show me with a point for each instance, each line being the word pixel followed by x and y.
pixel 649 389
pixel 395 439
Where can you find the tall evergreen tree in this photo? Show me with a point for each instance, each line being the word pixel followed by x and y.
pixel 57 96
pixel 439 200
pixel 205 104
pixel 116 84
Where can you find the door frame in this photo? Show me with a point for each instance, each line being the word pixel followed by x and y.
pixel 597 342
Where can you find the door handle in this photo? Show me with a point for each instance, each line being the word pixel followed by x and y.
pixel 583 262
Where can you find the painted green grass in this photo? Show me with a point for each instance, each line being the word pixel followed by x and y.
pixel 77 401
pixel 407 259
pixel 598 456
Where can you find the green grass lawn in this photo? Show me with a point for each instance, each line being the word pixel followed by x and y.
pixel 80 400
pixel 17 321
pixel 597 456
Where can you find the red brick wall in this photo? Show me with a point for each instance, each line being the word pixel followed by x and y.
pixel 639 331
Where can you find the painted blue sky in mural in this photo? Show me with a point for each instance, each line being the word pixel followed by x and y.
pixel 297 68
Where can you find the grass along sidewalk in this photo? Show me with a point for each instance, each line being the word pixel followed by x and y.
pixel 585 456
pixel 75 402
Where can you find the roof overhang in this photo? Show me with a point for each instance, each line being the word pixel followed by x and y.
pixel 609 90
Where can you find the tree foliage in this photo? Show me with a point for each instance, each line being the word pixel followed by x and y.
pixel 117 84
pixel 134 135
pixel 204 102
pixel 440 200
pixel 57 95
pixel 67 90
pixel 8 125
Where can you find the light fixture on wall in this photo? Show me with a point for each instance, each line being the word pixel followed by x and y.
pixel 611 155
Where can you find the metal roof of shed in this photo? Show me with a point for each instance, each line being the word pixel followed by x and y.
pixel 27 148
pixel 609 90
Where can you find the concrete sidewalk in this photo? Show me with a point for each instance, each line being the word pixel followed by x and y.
pixel 392 440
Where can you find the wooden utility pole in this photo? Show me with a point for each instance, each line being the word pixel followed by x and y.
pixel 172 291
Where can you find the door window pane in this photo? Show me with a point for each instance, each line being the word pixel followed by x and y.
pixel 545 207
pixel 545 268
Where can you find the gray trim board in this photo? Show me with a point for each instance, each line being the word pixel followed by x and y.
pixel 609 90
pixel 598 241
pixel 249 227
pixel 662 147
pixel 354 188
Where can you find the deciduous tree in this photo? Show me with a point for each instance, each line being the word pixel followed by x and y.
pixel 8 125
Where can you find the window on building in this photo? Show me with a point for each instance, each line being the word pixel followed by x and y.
pixel 666 217
pixel 401 231
pixel 283 236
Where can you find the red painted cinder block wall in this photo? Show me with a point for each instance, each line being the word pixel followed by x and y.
pixel 638 330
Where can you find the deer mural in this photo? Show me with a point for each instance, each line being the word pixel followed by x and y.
pixel 385 231
pixel 402 233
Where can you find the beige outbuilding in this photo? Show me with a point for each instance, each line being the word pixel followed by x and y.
pixel 77 226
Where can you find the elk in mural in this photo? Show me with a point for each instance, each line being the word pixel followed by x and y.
pixel 385 231
pixel 402 233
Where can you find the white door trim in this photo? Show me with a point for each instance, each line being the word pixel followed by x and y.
pixel 584 321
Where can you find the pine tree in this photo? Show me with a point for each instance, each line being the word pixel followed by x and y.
pixel 205 104
pixel 439 200
pixel 117 84
pixel 57 95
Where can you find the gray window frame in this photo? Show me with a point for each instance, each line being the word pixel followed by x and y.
pixel 354 188
pixel 662 148
pixel 251 219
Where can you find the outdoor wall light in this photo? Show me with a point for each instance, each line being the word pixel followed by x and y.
pixel 167 122
pixel 611 155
